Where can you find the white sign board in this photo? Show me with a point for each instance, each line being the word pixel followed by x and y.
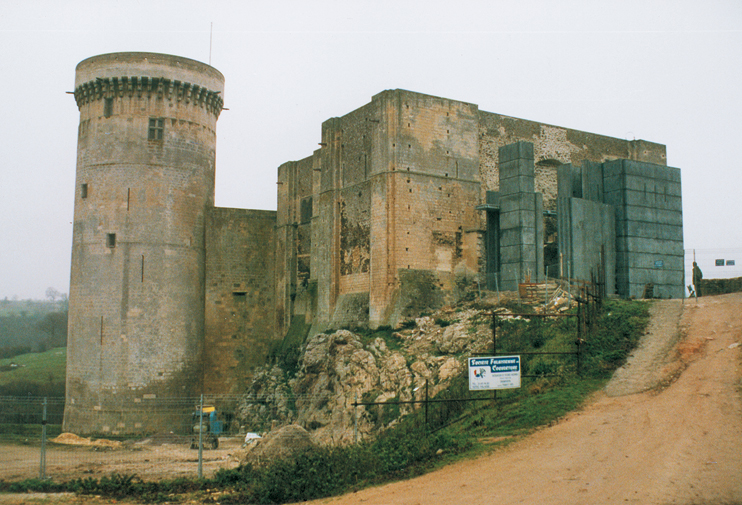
pixel 501 372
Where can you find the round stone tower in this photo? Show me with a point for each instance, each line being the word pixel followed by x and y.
pixel 145 181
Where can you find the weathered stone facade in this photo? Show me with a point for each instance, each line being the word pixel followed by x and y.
pixel 399 214
pixel 405 205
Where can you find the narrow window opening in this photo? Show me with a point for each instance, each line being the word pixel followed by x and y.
pixel 108 107
pixel 84 191
pixel 142 267
pixel 111 240
pixel 128 198
pixel 156 128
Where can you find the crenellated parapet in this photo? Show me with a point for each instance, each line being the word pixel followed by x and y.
pixel 163 88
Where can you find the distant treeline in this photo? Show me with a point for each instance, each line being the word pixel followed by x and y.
pixel 32 326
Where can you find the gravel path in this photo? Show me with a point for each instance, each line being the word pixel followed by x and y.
pixel 652 361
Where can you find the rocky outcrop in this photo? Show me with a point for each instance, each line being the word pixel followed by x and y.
pixel 339 368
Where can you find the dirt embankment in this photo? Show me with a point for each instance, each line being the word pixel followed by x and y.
pixel 678 443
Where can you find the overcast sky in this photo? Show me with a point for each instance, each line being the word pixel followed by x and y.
pixel 669 72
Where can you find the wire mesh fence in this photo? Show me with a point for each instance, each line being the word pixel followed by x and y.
pixel 199 443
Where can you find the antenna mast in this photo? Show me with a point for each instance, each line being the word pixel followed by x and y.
pixel 211 32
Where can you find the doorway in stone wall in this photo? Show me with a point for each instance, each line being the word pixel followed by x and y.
pixel 493 249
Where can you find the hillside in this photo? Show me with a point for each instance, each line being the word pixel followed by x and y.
pixel 678 442
pixel 34 374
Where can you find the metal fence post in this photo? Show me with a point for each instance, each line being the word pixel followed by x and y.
pixel 426 404
pixel 201 439
pixel 42 462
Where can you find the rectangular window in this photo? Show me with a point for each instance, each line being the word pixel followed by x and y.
pixel 111 240
pixel 156 128
pixel 108 107
pixel 84 191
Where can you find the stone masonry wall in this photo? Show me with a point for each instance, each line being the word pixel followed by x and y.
pixel 553 146
pixel 394 189
pixel 240 294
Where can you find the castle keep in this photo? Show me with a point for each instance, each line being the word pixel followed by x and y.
pixel 409 201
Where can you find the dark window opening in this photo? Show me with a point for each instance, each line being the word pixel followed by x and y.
pixel 108 107
pixel 239 295
pixel 111 240
pixel 156 128
pixel 305 210
pixel 84 191
pixel 492 249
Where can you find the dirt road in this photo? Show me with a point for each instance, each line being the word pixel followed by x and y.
pixel 679 442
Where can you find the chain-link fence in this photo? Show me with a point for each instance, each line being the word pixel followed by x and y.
pixel 199 443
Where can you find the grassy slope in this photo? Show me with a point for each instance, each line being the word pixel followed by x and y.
pixel 45 367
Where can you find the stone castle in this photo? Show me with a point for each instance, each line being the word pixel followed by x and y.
pixel 408 201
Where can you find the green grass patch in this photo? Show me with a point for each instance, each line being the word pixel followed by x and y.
pixel 27 432
pixel 44 367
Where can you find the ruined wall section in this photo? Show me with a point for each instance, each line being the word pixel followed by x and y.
pixel 553 146
pixel 297 204
pixel 145 180
pixel 430 224
pixel 240 296
pixel 348 156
